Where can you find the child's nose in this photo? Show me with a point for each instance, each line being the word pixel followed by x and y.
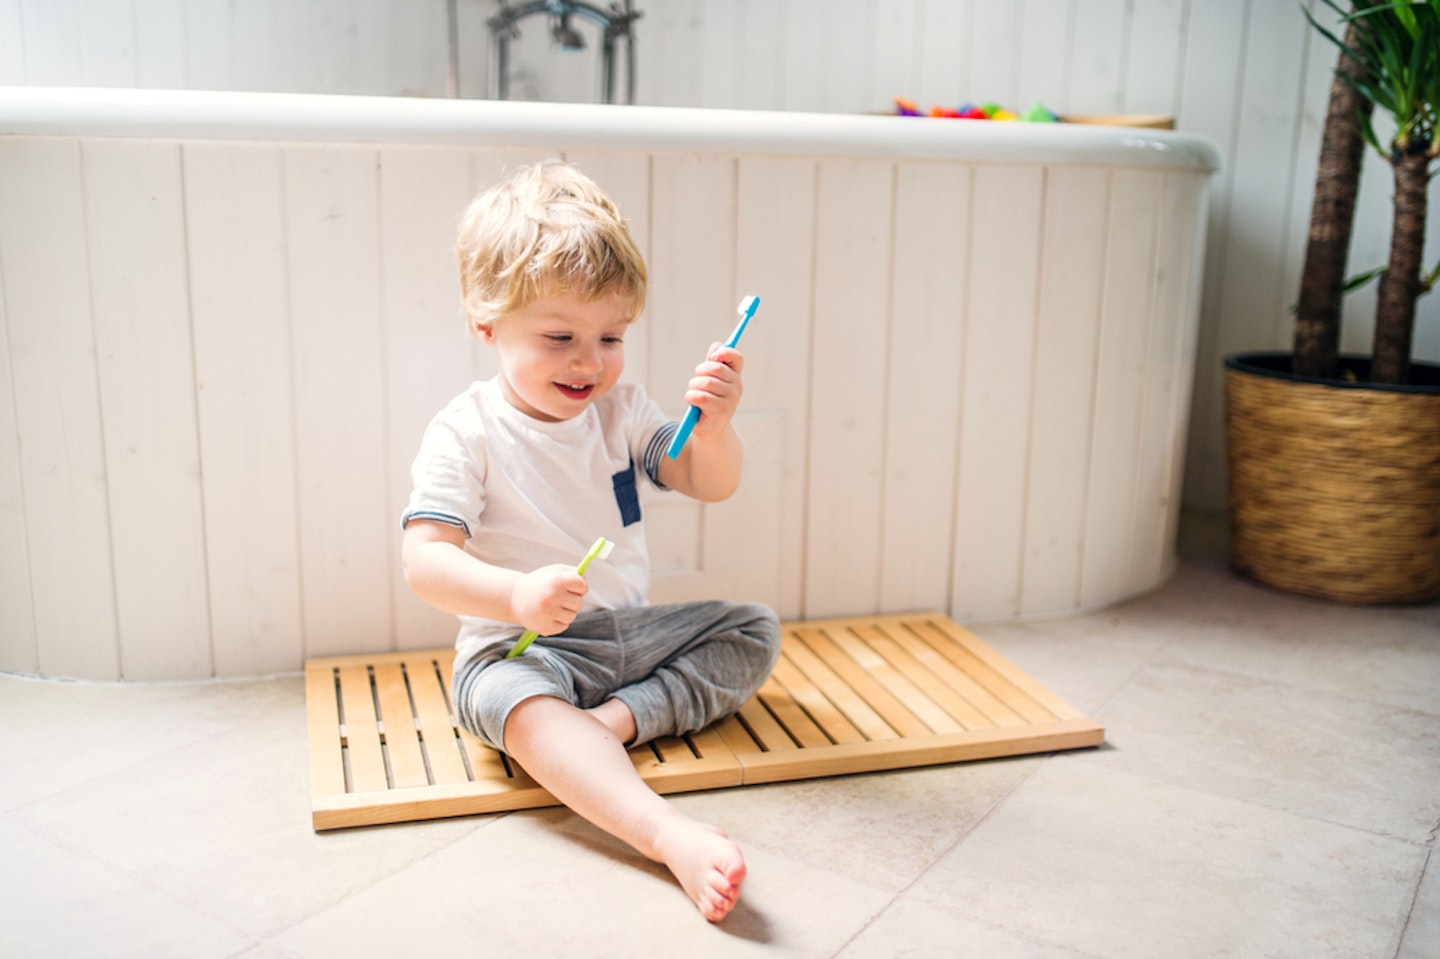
pixel 586 358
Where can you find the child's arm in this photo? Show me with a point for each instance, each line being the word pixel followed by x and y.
pixel 708 468
pixel 439 571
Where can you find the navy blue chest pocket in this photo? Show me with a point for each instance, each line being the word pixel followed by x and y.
pixel 627 497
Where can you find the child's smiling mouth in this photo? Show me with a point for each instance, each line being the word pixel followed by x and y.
pixel 575 391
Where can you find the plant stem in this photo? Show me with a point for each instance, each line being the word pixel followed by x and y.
pixel 1399 287
pixel 1317 323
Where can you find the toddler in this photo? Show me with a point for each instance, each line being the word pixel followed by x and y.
pixel 519 474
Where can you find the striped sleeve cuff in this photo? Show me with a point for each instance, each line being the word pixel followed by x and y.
pixel 448 519
pixel 659 443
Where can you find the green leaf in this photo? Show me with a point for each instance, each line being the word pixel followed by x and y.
pixel 1361 279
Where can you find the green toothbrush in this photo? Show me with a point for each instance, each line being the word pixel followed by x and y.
pixel 600 550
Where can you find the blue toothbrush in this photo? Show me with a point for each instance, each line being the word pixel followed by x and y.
pixel 746 309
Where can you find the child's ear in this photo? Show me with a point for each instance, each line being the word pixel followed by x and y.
pixel 484 330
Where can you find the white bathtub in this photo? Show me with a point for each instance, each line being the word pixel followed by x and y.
pixel 226 319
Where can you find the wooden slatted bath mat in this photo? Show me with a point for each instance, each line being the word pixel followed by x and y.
pixel 848 696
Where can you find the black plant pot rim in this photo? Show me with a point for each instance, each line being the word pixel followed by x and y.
pixel 1425 377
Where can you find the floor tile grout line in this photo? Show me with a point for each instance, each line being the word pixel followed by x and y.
pixel 1415 898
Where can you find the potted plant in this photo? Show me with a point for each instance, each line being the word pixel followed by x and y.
pixel 1335 460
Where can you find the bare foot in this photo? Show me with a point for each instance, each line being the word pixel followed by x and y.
pixel 709 866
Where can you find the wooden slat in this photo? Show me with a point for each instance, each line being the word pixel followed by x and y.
pixel 902 656
pixel 866 719
pixel 738 737
pixel 1014 675
pixel 816 704
pixel 789 715
pixel 438 732
pixel 991 711
pixel 322 717
pixel 402 740
pixel 912 681
pixel 710 744
pixel 840 651
pixel 981 669
pixel 856 643
pixel 673 749
pixel 362 732
pixel 485 763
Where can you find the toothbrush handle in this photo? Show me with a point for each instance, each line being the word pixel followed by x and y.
pixel 529 637
pixel 692 416
pixel 748 306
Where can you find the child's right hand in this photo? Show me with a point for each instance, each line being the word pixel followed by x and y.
pixel 548 599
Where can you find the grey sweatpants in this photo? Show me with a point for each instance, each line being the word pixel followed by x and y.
pixel 678 667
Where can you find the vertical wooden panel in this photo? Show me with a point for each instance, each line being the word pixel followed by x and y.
pixel 18 652
pixel 107 44
pixel 692 270
pixel 775 242
pixel 160 44
pixel 414 39
pixel 331 220
pixel 57 407
pixel 1121 376
pixel 927 322
pixel 1045 54
pixel 52 43
pixel 140 298
pixel 760 57
pixel 12 43
pixel 994 60
pixel 1209 103
pixel 261 41
pixel 1151 81
pixel 944 52
pixel 234 209
pixel 847 387
pixel 805 56
pixel 717 55
pixel 1166 374
pixel 734 550
pixel 1068 331
pixel 1097 56
pixel 847 64
pixel 894 35
pixel 1006 222
pixel 209 47
pixel 1185 195
pixel 427 354
pixel 474 52
pixel 668 37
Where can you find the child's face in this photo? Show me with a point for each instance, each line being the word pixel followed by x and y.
pixel 559 354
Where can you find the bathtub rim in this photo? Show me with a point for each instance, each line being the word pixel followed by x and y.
pixel 291 117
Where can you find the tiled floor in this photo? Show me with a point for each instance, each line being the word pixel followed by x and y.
pixel 1270 787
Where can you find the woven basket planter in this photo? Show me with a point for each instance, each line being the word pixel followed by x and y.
pixel 1334 487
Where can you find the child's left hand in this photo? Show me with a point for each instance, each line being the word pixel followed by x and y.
pixel 715 389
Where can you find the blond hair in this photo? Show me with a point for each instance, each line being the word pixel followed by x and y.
pixel 545 230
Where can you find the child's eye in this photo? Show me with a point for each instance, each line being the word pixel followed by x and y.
pixel 614 340
pixel 558 338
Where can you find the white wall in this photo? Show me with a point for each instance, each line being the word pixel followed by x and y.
pixel 1248 74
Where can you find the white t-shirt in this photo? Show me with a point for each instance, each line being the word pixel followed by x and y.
pixel 530 493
